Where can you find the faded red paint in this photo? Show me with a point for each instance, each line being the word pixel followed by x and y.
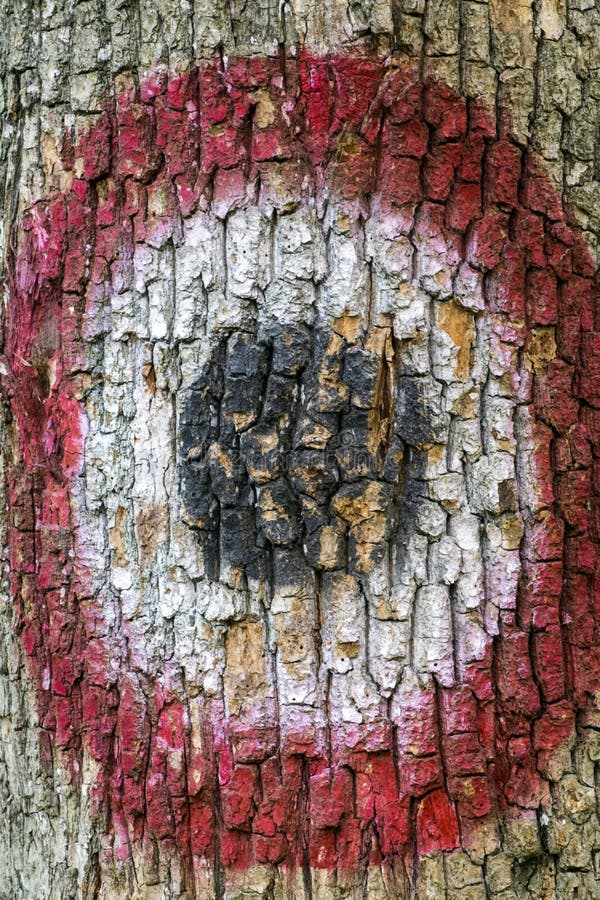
pixel 353 127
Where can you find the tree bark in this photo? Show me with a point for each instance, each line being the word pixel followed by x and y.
pixel 301 421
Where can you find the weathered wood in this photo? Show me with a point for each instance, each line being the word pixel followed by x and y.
pixel 300 427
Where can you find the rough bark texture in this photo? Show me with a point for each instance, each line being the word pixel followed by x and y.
pixel 301 419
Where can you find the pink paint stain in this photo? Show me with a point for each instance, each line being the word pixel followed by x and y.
pixel 351 127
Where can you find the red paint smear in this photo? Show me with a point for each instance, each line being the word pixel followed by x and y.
pixel 350 126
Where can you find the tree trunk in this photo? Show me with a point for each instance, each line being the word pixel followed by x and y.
pixel 301 418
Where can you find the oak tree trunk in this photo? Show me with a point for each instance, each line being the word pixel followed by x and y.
pixel 300 422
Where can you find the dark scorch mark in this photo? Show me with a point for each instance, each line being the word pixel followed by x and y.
pixel 303 445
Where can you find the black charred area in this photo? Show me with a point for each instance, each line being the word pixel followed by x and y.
pixel 302 444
